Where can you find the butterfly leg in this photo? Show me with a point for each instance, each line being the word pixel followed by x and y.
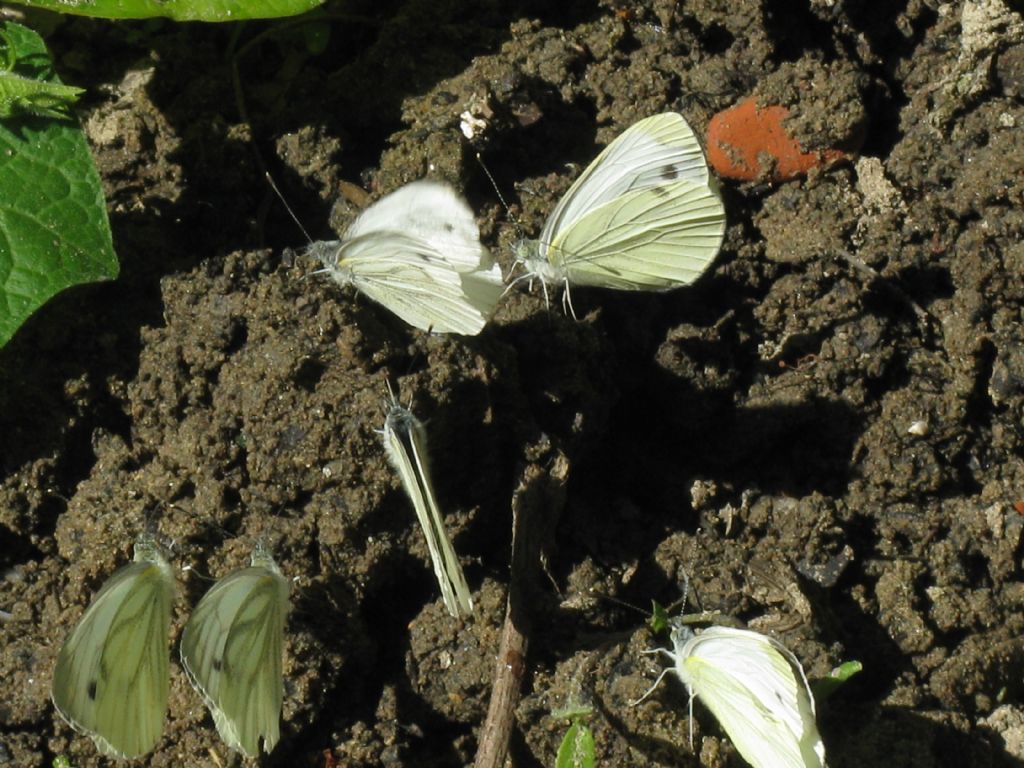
pixel 650 690
pixel 567 300
pixel 529 286
pixel 689 714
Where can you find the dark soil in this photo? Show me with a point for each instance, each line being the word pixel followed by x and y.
pixel 824 435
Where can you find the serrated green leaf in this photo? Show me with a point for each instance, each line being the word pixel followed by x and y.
pixel 179 10
pixel 577 748
pixel 53 219
pixel 20 94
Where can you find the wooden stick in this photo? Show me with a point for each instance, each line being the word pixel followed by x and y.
pixel 537 504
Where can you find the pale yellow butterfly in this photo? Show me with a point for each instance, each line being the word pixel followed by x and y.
pixel 756 689
pixel 644 215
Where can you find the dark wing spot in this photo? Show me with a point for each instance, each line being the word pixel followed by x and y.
pixel 449 227
pixel 217 664
pixel 660 191
pixel 92 690
pixel 670 172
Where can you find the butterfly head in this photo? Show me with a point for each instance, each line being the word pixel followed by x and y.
pixel 262 558
pixel 401 421
pixel 532 256
pixel 149 550
pixel 679 633
pixel 328 253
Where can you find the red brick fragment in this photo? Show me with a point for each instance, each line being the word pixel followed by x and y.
pixel 748 142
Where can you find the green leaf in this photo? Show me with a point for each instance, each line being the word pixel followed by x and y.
pixel 824 687
pixel 179 10
pixel 317 35
pixel 574 710
pixel 53 218
pixel 577 748
pixel 659 618
pixel 20 94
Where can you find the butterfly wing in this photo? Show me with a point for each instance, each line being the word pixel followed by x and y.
pixel 111 678
pixel 757 691
pixel 417 251
pixel 405 446
pixel 647 239
pixel 231 649
pixel 412 279
pixel 432 213
pixel 442 553
pixel 651 153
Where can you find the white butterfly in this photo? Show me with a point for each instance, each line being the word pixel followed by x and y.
pixel 417 251
pixel 405 443
pixel 111 678
pixel 644 215
pixel 232 649
pixel 756 689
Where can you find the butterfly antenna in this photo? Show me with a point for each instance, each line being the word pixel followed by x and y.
pixel 687 594
pixel 494 184
pixel 273 186
pixel 391 400
pixel 504 204
pixel 394 401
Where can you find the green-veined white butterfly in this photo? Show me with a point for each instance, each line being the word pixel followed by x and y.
pixel 111 678
pixel 756 689
pixel 417 251
pixel 645 215
pixel 232 649
pixel 405 443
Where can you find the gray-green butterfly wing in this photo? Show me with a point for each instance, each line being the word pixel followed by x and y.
pixel 232 650
pixel 405 443
pixel 111 677
pixel 651 153
pixel 654 238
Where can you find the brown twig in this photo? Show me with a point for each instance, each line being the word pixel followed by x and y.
pixel 536 506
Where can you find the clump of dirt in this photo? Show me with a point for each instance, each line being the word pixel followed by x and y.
pixel 822 437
